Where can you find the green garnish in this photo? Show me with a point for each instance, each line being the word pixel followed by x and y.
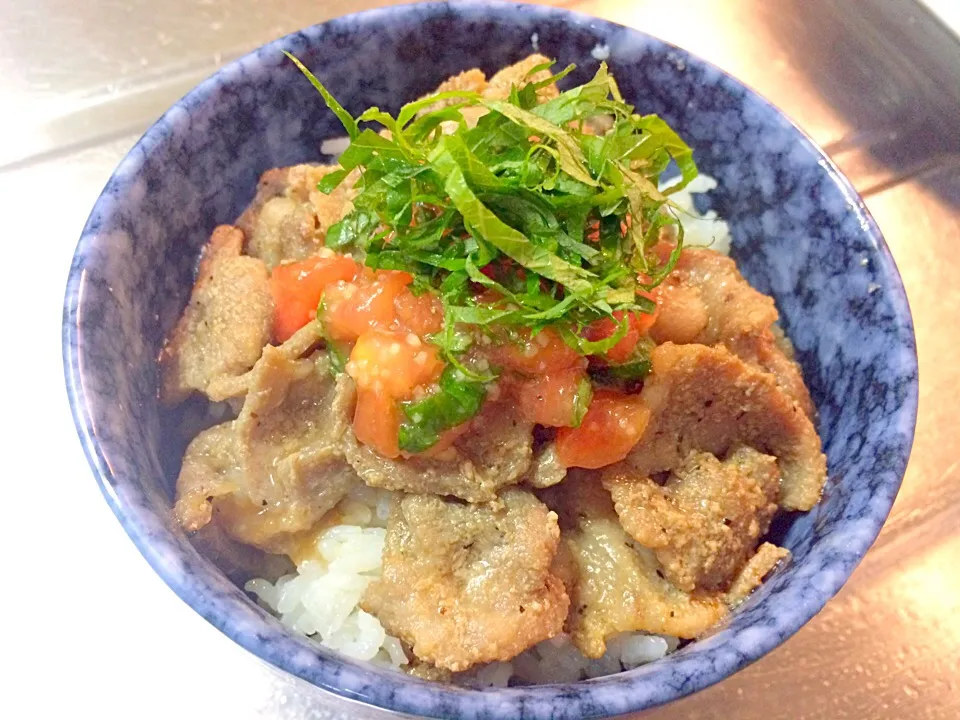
pixel 581 401
pixel 558 221
pixel 457 399
pixel 628 374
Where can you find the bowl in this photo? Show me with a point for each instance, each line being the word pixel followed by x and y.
pixel 800 233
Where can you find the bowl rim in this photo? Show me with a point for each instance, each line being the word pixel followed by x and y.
pixel 355 681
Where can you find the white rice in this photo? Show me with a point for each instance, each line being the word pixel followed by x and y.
pixel 600 52
pixel 705 229
pixel 334 146
pixel 322 598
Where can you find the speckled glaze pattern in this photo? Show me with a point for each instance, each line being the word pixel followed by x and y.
pixel 800 234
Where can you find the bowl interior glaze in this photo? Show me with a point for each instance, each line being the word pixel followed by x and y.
pixel 800 233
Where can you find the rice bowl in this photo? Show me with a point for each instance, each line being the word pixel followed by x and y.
pixel 140 494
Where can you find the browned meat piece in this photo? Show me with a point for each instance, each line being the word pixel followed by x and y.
pixel 683 314
pixel 426 671
pixel 495 453
pixel 546 469
pixel 467 584
pixel 707 399
pixel 498 88
pixel 301 343
pixel 226 323
pixel 767 557
pixel 706 300
pixel 499 85
pixel 733 308
pixel 470 80
pixel 239 561
pixel 279 467
pixel 614 584
pixel 771 351
pixel 289 218
pixel 706 520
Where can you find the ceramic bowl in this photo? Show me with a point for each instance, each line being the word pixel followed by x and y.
pixel 800 233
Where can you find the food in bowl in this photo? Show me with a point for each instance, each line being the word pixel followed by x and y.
pixel 477 386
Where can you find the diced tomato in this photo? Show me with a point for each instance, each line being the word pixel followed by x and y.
pixel 350 309
pixel 421 314
pixel 297 287
pixel 612 426
pixel 552 399
pixel 376 422
pixel 393 362
pixel 606 327
pixel 545 352
pixel 637 325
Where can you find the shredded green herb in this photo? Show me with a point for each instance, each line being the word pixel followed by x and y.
pixel 531 203
pixel 581 401
pixel 457 399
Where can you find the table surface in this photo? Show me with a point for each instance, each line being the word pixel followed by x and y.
pixel 875 82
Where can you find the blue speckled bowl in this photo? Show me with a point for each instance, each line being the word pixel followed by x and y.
pixel 800 231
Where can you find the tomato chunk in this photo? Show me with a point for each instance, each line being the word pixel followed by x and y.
pixel 351 309
pixel 612 426
pixel 297 288
pixel 554 399
pixel 393 362
pixel 638 324
pixel 376 422
pixel 421 314
pixel 545 352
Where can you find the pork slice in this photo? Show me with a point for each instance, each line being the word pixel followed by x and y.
pixel 767 557
pixel 279 467
pixel 707 399
pixel 546 469
pixel 495 453
pixel 466 584
pixel 706 520
pixel 472 80
pixel 615 584
pixel 771 351
pixel 225 325
pixel 289 217
pixel 301 343
pixel 498 88
pixel 706 300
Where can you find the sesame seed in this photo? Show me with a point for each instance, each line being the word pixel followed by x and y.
pixel 395 348
pixel 326 252
pixel 421 358
pixel 542 340
pixel 413 340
